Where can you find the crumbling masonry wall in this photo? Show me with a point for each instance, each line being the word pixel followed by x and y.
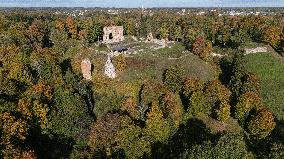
pixel 113 34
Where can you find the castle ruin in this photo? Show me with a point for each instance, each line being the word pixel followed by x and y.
pixel 113 34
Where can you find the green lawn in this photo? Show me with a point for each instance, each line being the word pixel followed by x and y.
pixel 152 63
pixel 270 69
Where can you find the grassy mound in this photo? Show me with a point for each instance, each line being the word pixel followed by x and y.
pixel 270 69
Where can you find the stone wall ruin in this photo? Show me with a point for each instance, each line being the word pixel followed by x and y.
pixel 86 68
pixel 113 34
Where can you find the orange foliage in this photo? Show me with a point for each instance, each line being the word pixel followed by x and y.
pixel 262 124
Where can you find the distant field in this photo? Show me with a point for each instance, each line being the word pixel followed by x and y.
pixel 270 69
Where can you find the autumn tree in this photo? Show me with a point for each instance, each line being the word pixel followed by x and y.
pixel 238 72
pixel 36 33
pixel 262 124
pixel 247 102
pixel 157 128
pixel 172 108
pixel 177 33
pixel 129 105
pixel 163 32
pixel 72 28
pixel 151 91
pixel 103 133
pixel 271 35
pixel 131 140
pixel 202 48
pixel 192 90
pixel 190 35
pixel 251 83
pixel 172 78
pixel 13 132
pixel 218 97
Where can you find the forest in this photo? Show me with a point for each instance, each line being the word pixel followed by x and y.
pixel 178 101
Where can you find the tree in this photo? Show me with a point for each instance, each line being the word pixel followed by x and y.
pixel 69 115
pixel 196 99
pixel 177 33
pixel 163 32
pixel 157 128
pixel 151 91
pixel 239 38
pixel 251 83
pixel 223 36
pixel 262 124
pixel 198 104
pixel 129 27
pixel 238 72
pixel 129 105
pixel 13 132
pixel 218 96
pixel 103 133
pixel 247 102
pixel 95 32
pixel 131 140
pixel 172 108
pixel 271 35
pixel 36 33
pixel 173 78
pixel 201 48
pixel 190 85
pixel 72 28
pixel 190 35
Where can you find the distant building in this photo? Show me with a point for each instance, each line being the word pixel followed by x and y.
pixel 113 34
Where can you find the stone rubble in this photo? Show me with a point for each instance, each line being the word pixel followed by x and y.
pixel 255 50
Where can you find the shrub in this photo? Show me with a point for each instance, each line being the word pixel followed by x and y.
pixel 246 103
pixel 173 78
pixel 262 124
pixel 120 62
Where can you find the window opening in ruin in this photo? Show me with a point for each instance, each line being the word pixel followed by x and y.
pixel 110 36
